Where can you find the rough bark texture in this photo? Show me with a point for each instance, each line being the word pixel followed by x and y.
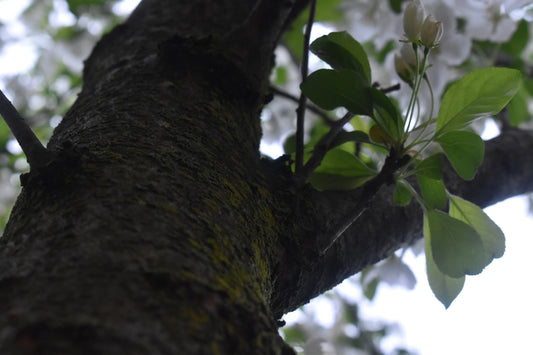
pixel 158 229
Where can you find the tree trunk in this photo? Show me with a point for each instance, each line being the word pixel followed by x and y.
pixel 157 229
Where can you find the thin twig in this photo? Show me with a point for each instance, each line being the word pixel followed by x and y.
pixel 36 153
pixel 322 147
pixel 313 108
pixel 300 111
pixel 387 90
pixel 392 88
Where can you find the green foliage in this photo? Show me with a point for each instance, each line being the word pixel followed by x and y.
pixel 396 5
pixel 464 150
pixel 294 335
pixel 518 42
pixel 431 167
pixel 491 235
pixel 340 170
pixel 387 117
pixel 342 51
pixel 444 287
pixel 456 247
pixel 281 75
pixel 76 6
pixel 331 89
pixel 371 289
pixel 433 192
pixel 518 107
pixel 463 241
pixel 68 33
pixel 402 194
pixel 348 85
pixel 460 243
pixel 353 136
pixel 481 93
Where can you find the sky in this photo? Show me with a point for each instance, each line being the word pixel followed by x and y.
pixel 492 314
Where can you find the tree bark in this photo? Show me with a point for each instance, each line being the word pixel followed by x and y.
pixel 158 229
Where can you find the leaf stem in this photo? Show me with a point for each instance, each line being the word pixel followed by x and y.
pixel 300 111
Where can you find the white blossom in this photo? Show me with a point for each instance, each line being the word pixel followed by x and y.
pixel 432 31
pixel 413 19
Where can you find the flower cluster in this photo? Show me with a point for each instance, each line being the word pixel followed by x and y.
pixel 420 29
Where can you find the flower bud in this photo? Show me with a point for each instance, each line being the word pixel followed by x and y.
pixel 432 31
pixel 413 19
pixel 409 57
pixel 403 71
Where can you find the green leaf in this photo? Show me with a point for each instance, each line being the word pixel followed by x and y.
pixel 444 287
pixel 281 75
pixel 528 84
pixel 340 170
pixel 433 192
pixel 327 181
pixel 402 194
pixel 379 136
pixel 396 5
pixel 340 162
pixel 295 334
pixel 491 235
pixel 76 5
pixel 464 150
pixel 483 92
pixel 518 107
pixel 370 290
pixel 289 145
pixel 516 45
pixel 386 116
pixel 342 51
pixel 353 136
pixel 68 33
pixel 431 167
pixel 318 131
pixel 330 89
pixel 456 247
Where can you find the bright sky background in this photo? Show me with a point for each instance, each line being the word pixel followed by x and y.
pixel 493 312
pixel 491 316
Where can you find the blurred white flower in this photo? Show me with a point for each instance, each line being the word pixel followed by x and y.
pixel 373 20
pixel 392 271
pixel 491 20
pixel 454 48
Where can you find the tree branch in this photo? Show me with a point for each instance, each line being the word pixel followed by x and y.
pixel 309 106
pixel 507 171
pixel 322 147
pixel 36 153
